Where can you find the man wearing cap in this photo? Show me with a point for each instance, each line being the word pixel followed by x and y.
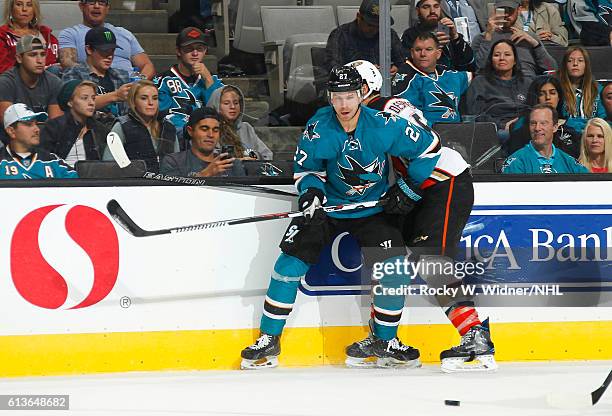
pixel 456 52
pixel 203 159
pixel 188 84
pixel 359 40
pixel 72 47
pixel 532 54
pixel 28 82
pixel 113 84
pixel 19 160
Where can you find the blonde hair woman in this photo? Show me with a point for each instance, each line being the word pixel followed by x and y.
pixel 144 134
pixel 22 17
pixel 596 148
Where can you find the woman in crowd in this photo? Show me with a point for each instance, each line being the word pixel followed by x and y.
pixel 500 94
pixel 76 135
pixel 543 20
pixel 543 90
pixel 596 149
pixel 144 134
pixel 581 93
pixel 229 102
pixel 22 17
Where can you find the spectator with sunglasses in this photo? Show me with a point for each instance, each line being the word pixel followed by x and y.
pixel 129 53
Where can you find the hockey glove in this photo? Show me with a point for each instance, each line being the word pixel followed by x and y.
pixel 401 198
pixel 310 204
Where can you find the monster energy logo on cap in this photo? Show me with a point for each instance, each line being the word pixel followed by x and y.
pixel 101 38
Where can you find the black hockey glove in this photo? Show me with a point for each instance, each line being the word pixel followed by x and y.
pixel 401 198
pixel 311 203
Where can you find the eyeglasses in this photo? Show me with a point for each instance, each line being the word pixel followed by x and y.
pixel 93 2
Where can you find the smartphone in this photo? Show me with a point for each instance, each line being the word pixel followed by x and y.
pixel 500 11
pixel 229 149
pixel 443 28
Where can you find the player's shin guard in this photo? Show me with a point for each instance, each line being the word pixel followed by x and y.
pixel 282 291
pixel 463 316
pixel 388 302
pixel 278 304
pixel 387 308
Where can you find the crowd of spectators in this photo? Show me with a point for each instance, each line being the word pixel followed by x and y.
pixel 480 61
pixel 461 61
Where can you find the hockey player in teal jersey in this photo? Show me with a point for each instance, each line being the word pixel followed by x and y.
pixel 19 160
pixel 342 158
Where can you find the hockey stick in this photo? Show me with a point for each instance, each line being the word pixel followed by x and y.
pixel 578 400
pixel 123 219
pixel 113 141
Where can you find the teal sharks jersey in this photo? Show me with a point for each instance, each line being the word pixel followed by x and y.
pixel 39 165
pixel 351 167
pixel 178 97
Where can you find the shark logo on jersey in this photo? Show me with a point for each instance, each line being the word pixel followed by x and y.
pixel 359 178
pixel 565 138
pixel 352 143
pixel 398 78
pixel 310 132
pixel 387 116
pixel 604 14
pixel 445 101
pixel 184 105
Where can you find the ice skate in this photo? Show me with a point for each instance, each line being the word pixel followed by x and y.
pixel 360 354
pixel 262 354
pixel 393 353
pixel 475 353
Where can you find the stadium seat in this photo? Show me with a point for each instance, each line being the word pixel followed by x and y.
pixel 248 36
pixel 477 142
pixel 109 169
pixel 59 15
pixel 346 14
pixel 279 23
pixel 319 59
pixel 298 61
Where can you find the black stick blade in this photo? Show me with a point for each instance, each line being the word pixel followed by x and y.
pixel 124 220
pixel 596 395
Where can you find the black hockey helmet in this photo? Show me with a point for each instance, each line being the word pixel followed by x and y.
pixel 344 78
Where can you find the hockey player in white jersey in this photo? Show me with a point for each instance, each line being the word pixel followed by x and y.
pixel 432 231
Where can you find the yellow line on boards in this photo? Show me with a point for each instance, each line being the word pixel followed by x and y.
pixel 37 355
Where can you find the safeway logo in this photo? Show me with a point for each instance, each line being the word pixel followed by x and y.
pixel 64 257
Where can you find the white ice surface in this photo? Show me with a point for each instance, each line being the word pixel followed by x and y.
pixel 516 389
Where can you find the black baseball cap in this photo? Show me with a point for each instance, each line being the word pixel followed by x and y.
pixel 370 12
pixel 101 38
pixel 189 36
pixel 200 114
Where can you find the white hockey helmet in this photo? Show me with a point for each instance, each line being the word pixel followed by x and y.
pixel 370 75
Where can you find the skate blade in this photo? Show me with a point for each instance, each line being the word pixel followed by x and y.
pixel 261 364
pixel 482 363
pixel 388 362
pixel 354 362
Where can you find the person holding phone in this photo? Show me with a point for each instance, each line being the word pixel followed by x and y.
pixel 456 52
pixel 204 158
pixel 531 52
